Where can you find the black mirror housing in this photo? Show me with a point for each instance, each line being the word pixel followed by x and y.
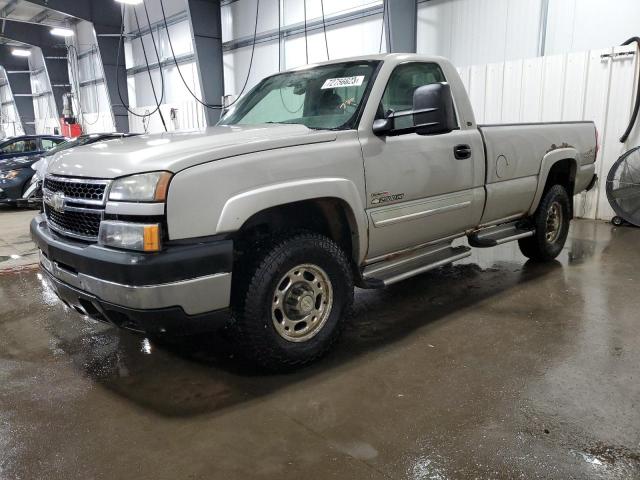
pixel 383 126
pixel 437 113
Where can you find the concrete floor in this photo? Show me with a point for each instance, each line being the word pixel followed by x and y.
pixel 492 368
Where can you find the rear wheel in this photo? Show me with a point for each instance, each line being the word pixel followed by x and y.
pixel 291 300
pixel 551 221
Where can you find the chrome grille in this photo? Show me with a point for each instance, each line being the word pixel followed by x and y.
pixel 77 189
pixel 74 207
pixel 80 224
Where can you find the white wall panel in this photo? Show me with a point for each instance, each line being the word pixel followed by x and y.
pixel 494 96
pixel 512 91
pixel 479 31
pixel 576 25
pixel 552 88
pixel 573 100
pixel 477 90
pixel 169 83
pixel 532 73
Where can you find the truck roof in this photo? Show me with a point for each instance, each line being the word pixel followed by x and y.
pixel 387 57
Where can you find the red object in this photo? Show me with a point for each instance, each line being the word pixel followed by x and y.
pixel 71 130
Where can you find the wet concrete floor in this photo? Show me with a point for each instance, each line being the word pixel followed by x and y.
pixel 491 368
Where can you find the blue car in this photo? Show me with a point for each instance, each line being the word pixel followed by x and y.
pixel 27 145
pixel 16 174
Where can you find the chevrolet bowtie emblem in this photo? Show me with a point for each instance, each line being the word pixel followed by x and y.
pixel 55 201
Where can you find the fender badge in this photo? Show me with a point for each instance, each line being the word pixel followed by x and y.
pixel 385 197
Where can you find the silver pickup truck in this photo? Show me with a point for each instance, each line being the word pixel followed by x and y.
pixel 359 172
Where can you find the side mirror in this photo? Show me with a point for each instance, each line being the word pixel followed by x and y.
pixel 433 109
pixel 383 126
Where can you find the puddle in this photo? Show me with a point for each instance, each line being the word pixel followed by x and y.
pixel 618 459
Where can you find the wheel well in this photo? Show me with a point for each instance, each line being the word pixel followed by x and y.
pixel 331 217
pixel 563 173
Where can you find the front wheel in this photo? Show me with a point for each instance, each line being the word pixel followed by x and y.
pixel 551 221
pixel 290 302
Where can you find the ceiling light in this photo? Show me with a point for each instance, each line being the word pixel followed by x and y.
pixel 62 32
pixel 130 2
pixel 21 52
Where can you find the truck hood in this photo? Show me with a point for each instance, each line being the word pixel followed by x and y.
pixel 176 151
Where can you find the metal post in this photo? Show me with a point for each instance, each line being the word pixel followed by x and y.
pixel 206 28
pixel 402 23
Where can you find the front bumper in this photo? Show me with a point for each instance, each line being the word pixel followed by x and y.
pixel 184 287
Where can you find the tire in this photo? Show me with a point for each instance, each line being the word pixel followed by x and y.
pixel 290 302
pixel 550 231
pixel 617 221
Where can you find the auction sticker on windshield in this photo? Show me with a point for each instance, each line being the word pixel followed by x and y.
pixel 355 81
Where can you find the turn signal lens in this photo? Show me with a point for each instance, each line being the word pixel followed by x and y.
pixel 151 238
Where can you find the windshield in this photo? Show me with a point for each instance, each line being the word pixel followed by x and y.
pixel 324 97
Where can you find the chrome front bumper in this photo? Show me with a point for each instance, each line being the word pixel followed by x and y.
pixel 194 296
pixel 185 287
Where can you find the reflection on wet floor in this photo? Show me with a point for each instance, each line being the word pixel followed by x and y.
pixel 491 368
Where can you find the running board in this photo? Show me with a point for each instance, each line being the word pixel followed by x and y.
pixel 397 269
pixel 490 237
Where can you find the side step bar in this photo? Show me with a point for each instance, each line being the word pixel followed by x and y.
pixel 490 237
pixel 397 269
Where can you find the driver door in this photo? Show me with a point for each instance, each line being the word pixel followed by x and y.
pixel 418 189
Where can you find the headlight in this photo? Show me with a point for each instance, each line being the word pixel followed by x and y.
pixel 145 187
pixel 131 236
pixel 9 174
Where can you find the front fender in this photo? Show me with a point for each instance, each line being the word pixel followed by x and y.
pixel 239 208
pixel 548 161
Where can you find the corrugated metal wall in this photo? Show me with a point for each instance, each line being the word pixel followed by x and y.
pixel 10 122
pixel 44 106
pixel 590 85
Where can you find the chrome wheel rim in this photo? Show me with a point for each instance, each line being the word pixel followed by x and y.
pixel 554 222
pixel 302 303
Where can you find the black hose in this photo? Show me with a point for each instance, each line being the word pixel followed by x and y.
pixel 124 104
pixel 636 108
pixel 186 85
pixel 146 61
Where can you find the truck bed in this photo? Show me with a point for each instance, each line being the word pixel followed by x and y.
pixel 513 162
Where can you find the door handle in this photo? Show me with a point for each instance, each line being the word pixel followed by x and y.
pixel 462 152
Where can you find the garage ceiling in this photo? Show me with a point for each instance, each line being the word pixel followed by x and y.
pixel 27 12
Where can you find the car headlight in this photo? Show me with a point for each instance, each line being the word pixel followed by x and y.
pixel 130 236
pixel 9 174
pixel 144 187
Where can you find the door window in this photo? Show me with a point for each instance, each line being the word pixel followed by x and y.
pixel 398 96
pixel 48 143
pixel 20 146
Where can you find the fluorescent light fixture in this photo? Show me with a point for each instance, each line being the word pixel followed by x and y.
pixel 62 32
pixel 21 52
pixel 130 2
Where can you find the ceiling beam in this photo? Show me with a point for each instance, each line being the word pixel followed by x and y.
pixel 9 8
pixel 40 16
